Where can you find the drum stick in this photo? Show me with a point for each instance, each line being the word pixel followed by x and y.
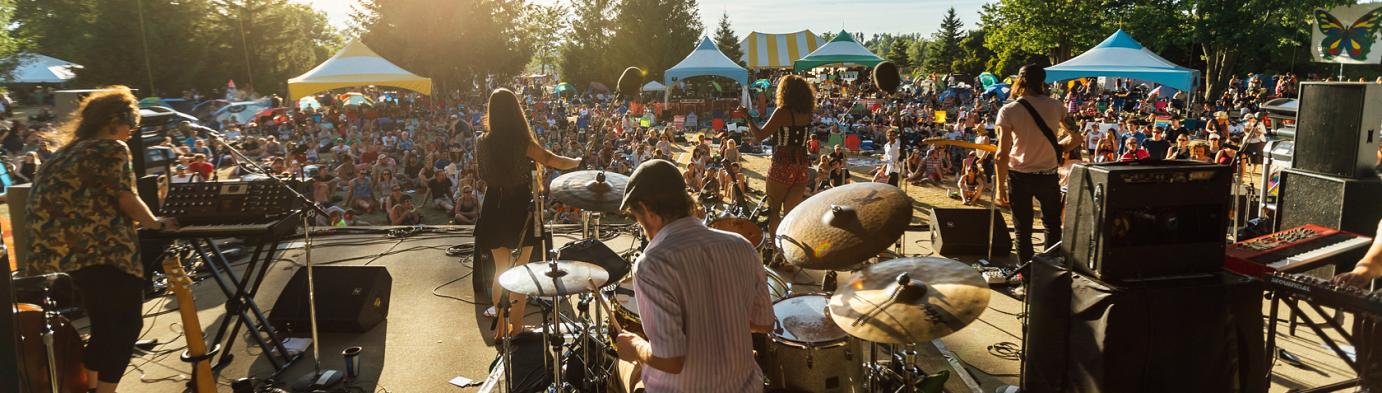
pixel 604 303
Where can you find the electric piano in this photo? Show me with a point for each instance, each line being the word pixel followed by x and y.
pixel 1295 250
pixel 230 209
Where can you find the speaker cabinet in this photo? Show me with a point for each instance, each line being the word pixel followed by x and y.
pixel 1140 221
pixel 1335 202
pixel 960 231
pixel 1336 128
pixel 350 299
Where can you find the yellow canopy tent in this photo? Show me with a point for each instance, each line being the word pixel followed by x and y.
pixel 355 65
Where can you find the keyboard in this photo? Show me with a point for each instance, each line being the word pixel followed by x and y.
pixel 1323 293
pixel 280 227
pixel 1294 250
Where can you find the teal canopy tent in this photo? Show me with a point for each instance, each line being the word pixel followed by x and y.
pixel 1121 56
pixel 840 50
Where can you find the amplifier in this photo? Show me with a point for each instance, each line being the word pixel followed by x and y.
pixel 1141 221
pixel 1346 204
pixel 1337 127
pixel 230 202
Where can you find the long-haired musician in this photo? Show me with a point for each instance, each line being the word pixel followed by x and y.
pixel 789 126
pixel 506 153
pixel 83 209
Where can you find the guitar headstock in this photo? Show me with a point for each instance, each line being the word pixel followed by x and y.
pixel 172 267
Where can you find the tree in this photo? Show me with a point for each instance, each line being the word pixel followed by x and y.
pixel 545 26
pixel 728 41
pixel 655 34
pixel 898 53
pixel 424 36
pixel 1016 29
pixel 946 48
pixel 916 52
pixel 975 58
pixel 261 42
pixel 585 52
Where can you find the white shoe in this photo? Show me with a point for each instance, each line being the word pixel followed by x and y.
pixel 491 312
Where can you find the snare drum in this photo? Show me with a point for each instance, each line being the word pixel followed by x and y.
pixel 741 226
pixel 625 307
pixel 808 352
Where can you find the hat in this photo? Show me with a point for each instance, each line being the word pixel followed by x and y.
pixel 652 178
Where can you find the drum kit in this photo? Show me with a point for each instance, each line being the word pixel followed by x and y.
pixel 859 336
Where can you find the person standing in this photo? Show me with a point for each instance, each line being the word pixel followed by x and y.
pixel 700 292
pixel 1028 156
pixel 83 209
pixel 789 126
pixel 506 153
pixel 892 154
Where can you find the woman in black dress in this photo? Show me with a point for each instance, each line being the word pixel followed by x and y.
pixel 506 153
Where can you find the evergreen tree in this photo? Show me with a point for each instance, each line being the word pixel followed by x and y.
pixel 585 52
pixel 460 44
pixel 728 41
pixel 655 34
pixel 897 53
pixel 945 49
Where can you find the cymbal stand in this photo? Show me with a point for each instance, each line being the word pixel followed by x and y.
pixel 49 307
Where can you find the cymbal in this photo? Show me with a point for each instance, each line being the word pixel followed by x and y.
pixel 539 278
pixel 909 300
pixel 590 190
pixel 843 226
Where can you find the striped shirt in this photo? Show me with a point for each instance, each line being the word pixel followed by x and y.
pixel 698 289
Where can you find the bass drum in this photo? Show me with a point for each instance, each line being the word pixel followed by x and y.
pixel 808 352
pixel 741 226
pixel 33 355
pixel 625 307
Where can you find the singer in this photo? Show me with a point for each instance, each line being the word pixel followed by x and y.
pixel 789 126
pixel 82 211
pixel 506 153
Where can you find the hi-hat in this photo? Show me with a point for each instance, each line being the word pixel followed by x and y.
pixel 909 300
pixel 555 278
pixel 843 226
pixel 590 190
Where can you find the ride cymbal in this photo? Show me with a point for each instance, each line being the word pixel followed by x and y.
pixel 909 300
pixel 555 278
pixel 843 226
pixel 590 190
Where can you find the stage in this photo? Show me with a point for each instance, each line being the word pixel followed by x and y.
pixel 434 333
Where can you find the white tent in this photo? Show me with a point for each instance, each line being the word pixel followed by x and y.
pixel 36 68
pixel 707 60
pixel 654 86
pixel 355 65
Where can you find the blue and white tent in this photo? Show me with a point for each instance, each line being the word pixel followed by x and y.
pixel 1121 56
pixel 707 60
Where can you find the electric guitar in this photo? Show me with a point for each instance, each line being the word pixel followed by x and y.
pixel 203 381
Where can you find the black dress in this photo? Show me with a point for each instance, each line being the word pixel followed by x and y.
pixel 504 215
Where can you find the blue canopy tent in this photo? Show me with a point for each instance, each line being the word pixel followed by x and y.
pixel 707 60
pixel 1121 56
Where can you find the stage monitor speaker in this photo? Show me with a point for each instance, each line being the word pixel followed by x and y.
pixel 960 231
pixel 1335 202
pixel 1086 335
pixel 1336 128
pixel 1143 221
pixel 350 299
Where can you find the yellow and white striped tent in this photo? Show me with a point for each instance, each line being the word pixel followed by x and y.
pixel 762 50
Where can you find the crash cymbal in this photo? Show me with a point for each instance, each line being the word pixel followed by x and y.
pixel 843 226
pixel 909 300
pixel 539 278
pixel 590 190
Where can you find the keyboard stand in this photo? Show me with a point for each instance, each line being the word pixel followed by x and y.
pixel 241 308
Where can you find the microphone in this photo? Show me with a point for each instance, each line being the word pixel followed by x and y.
pixel 200 128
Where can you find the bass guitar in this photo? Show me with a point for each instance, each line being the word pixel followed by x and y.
pixel 202 379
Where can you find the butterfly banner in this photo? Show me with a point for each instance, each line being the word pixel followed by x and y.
pixel 1348 34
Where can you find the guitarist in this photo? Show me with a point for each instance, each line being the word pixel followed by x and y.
pixel 82 211
pixel 1028 159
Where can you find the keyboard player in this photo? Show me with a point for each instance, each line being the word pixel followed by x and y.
pixel 1370 267
pixel 1362 275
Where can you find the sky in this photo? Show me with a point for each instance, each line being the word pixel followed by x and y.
pixel 783 16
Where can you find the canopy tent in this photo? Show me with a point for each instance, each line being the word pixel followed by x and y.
pixel 36 68
pixel 840 50
pixel 1122 56
pixel 763 50
pixel 654 86
pixel 355 65
pixel 707 60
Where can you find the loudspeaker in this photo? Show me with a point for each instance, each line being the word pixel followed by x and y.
pixel 1087 335
pixel 1137 221
pixel 1335 202
pixel 1336 128
pixel 350 299
pixel 960 231
pixel 596 252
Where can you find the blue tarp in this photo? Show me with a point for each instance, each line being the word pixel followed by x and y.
pixel 1121 56
pixel 1000 90
pixel 707 60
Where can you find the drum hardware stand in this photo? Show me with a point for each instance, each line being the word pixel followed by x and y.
pixel 320 378
pixel 48 306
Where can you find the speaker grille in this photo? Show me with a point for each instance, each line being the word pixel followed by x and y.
pixel 1327 129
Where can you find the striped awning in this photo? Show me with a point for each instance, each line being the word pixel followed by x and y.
pixel 762 50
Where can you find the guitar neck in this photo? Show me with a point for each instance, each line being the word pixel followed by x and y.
pixel 191 324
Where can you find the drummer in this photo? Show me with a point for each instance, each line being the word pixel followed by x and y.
pixel 700 293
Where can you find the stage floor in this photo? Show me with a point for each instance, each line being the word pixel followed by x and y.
pixel 434 333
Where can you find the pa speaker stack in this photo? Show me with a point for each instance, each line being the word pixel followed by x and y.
pixel 1333 182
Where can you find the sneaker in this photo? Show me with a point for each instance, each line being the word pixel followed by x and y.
pixel 491 312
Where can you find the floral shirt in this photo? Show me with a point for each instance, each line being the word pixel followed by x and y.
pixel 74 211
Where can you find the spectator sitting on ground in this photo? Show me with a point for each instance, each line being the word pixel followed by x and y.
pixel 404 213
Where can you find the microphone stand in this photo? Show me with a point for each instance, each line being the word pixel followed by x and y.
pixel 319 378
